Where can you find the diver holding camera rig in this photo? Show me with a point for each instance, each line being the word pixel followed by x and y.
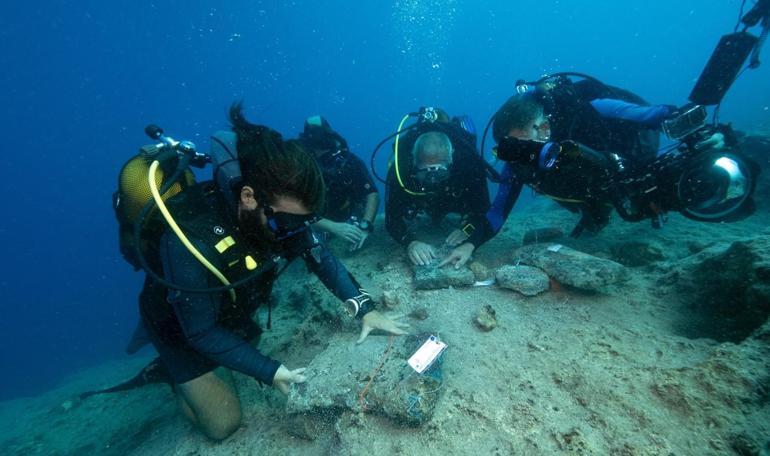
pixel 594 148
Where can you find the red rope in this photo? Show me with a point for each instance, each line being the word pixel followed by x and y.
pixel 373 374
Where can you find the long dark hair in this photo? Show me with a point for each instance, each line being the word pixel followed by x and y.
pixel 274 167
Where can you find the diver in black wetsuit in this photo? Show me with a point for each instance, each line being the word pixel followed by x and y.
pixel 280 191
pixel 595 130
pixel 352 198
pixel 440 172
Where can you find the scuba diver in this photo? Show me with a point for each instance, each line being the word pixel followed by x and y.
pixel 211 252
pixel 594 148
pixel 436 170
pixel 614 128
pixel 352 198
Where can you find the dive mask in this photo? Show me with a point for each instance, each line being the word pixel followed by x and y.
pixel 285 225
pixel 431 177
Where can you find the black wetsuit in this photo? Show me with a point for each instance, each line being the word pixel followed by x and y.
pixel 605 119
pixel 465 192
pixel 348 184
pixel 193 332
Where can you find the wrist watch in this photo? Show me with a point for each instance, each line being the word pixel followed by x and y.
pixel 366 226
pixel 351 307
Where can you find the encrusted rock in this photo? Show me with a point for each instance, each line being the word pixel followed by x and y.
pixel 391 299
pixel 636 253
pixel 372 377
pixel 432 277
pixel 526 280
pixel 486 319
pixel 480 272
pixel 571 267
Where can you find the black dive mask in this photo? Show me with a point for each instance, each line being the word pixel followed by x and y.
pixel 285 225
pixel 432 177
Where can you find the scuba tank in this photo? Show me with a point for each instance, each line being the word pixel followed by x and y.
pixel 134 193
pixel 157 173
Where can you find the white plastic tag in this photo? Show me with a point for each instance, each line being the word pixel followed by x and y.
pixel 424 357
pixel 554 248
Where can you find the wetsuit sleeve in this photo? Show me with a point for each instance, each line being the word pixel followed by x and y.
pixel 334 275
pixel 506 197
pixel 396 207
pixel 477 196
pixel 647 116
pixel 198 315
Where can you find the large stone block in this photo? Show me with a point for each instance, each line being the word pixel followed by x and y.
pixel 373 377
pixel 571 267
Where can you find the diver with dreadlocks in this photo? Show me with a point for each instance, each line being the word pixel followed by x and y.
pixel 236 233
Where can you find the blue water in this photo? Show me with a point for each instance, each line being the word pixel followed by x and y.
pixel 80 80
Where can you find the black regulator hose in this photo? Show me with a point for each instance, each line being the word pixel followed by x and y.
pixel 381 143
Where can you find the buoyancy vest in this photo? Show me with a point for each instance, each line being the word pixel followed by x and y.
pixel 573 118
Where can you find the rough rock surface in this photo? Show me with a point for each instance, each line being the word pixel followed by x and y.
pixel 338 381
pixel 526 280
pixel 732 378
pixel 480 271
pixel 571 267
pixel 727 285
pixel 431 277
pixel 636 253
pixel 486 319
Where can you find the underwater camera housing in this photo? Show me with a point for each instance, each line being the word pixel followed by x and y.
pixel 703 185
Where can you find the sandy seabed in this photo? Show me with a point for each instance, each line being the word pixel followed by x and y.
pixel 618 372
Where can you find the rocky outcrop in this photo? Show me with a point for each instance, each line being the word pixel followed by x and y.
pixel 726 287
pixel 636 253
pixel 733 381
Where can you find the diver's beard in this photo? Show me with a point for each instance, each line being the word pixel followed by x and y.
pixel 254 231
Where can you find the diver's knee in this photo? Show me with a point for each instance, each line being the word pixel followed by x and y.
pixel 223 426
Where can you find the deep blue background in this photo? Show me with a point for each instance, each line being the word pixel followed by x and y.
pixel 81 79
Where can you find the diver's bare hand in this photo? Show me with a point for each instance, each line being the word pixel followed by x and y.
pixel 715 141
pixel 356 246
pixel 375 320
pixel 348 232
pixel 459 256
pixel 421 253
pixel 285 377
pixel 456 237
